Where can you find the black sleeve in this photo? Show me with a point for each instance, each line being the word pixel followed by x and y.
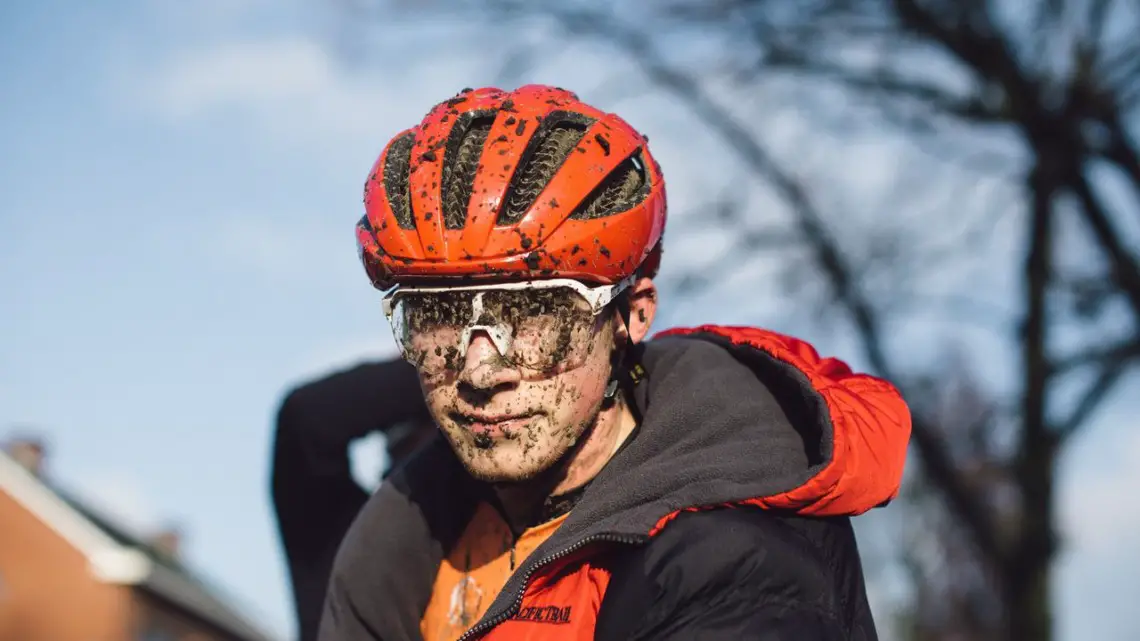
pixel 383 573
pixel 731 574
pixel 314 494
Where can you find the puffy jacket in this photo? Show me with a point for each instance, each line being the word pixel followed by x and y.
pixel 724 518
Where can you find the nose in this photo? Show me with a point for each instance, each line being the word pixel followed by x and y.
pixel 484 369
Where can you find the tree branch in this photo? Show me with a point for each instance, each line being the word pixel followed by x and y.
pixel 1096 393
pixel 988 55
pixel 1024 573
pixel 1125 270
pixel 966 504
pixel 1098 12
pixel 1038 267
pixel 688 90
pixel 1104 355
pixel 883 82
pixel 1121 152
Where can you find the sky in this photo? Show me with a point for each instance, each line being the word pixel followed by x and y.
pixel 177 193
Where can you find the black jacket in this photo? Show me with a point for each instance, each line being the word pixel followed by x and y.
pixel 693 518
pixel 314 494
pixel 740 574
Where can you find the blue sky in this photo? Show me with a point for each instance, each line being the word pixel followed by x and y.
pixel 177 192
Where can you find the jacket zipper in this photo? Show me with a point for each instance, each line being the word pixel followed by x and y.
pixel 487 624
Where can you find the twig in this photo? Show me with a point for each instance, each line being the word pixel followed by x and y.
pixel 1096 393
pixel 1125 270
pixel 1106 355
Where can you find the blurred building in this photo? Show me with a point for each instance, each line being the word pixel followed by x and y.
pixel 67 574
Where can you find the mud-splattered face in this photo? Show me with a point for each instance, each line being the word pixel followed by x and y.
pixel 508 422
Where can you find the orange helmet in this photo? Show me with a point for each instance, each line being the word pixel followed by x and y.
pixel 523 185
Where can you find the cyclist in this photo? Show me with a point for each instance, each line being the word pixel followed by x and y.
pixel 592 483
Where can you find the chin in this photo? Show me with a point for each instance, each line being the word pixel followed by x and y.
pixel 507 461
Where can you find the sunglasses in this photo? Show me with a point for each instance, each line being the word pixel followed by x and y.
pixel 543 325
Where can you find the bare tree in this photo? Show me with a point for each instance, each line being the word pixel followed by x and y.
pixel 1040 95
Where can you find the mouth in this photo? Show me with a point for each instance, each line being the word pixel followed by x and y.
pixel 492 425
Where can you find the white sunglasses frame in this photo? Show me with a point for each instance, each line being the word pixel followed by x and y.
pixel 597 298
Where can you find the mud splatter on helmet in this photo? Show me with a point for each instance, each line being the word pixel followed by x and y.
pixel 506 186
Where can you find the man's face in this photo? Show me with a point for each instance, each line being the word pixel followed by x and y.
pixel 508 424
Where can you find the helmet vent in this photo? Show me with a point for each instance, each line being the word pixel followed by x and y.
pixel 623 189
pixel 397 163
pixel 554 141
pixel 461 160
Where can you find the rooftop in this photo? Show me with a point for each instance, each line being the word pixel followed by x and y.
pixel 115 555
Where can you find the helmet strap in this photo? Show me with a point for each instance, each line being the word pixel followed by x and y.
pixel 625 367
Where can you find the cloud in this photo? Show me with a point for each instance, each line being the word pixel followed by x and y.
pixel 216 13
pixel 285 80
pixel 286 249
pixel 241 71
pixel 294 87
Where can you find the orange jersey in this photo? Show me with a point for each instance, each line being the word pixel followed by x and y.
pixel 476 569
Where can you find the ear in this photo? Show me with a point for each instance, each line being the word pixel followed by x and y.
pixel 642 308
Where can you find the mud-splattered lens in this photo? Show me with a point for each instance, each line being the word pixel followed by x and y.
pixel 537 329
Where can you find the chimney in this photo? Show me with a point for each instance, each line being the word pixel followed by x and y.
pixel 29 452
pixel 167 543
